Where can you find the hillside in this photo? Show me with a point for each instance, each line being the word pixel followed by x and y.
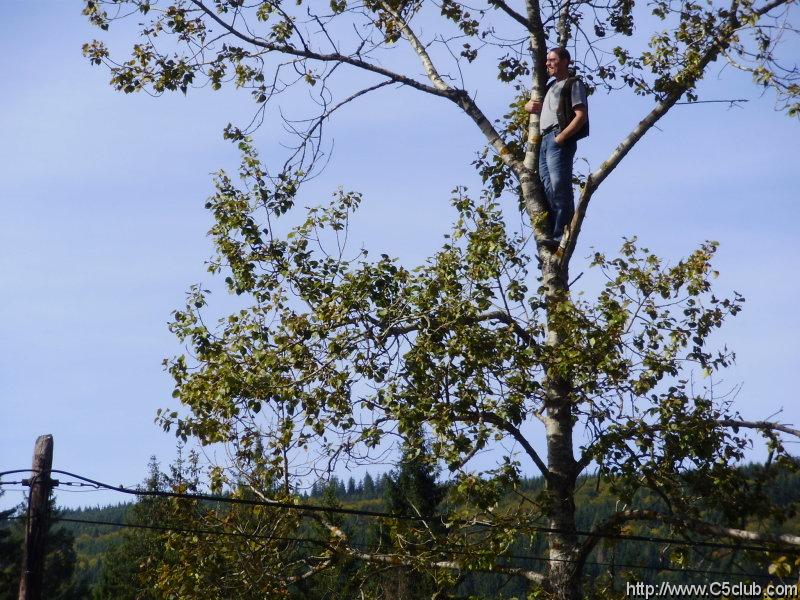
pixel 645 560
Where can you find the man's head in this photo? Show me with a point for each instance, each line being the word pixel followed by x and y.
pixel 557 63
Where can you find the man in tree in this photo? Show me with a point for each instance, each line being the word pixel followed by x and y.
pixel 564 119
pixel 483 349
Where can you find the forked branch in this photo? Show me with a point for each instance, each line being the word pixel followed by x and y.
pixel 727 33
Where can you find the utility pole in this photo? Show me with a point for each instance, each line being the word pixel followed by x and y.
pixel 30 580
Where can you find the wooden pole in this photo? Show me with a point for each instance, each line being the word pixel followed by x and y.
pixel 30 580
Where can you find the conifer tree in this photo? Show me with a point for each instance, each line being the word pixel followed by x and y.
pixel 60 580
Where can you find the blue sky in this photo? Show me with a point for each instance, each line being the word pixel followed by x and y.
pixel 103 227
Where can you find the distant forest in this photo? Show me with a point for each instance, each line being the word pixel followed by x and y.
pixel 93 560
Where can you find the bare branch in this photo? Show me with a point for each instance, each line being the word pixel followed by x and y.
pixel 563 24
pixel 733 102
pixel 509 427
pixel 613 523
pixel 494 315
pixel 311 572
pixel 440 88
pixel 308 135
pixel 763 425
pixel 511 13
pixel 397 560
pixel 312 55
pixel 593 181
pixel 770 6
pixel 460 97
pixel 538 43
pixel 430 69
pixel 468 105
pixel 402 561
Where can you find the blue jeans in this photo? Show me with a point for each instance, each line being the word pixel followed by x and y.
pixel 555 171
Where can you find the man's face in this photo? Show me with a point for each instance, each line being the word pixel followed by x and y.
pixel 556 66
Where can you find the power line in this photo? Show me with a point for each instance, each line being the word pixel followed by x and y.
pixel 403 517
pixel 446 550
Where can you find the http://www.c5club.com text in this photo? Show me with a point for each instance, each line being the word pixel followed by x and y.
pixel 715 589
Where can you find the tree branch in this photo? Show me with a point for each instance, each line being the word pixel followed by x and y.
pixel 770 5
pixel 511 13
pixel 327 113
pixel 458 96
pixel 613 523
pixel 517 435
pixel 468 105
pixel 430 69
pixel 496 315
pixel 563 25
pixel 400 561
pixel 767 426
pixel 593 181
pixel 763 425
pixel 439 87
pixel 733 102
pixel 310 573
pixel 312 55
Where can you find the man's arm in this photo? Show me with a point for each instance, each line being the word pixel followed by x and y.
pixel 581 115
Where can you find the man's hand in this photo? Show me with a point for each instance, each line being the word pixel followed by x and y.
pixel 533 106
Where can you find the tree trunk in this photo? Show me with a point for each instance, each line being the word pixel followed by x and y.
pixel 564 574
pixel 563 579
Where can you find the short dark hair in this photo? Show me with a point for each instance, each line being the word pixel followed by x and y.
pixel 562 53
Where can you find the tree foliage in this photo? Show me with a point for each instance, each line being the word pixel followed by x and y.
pixel 484 348
pixel 9 551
